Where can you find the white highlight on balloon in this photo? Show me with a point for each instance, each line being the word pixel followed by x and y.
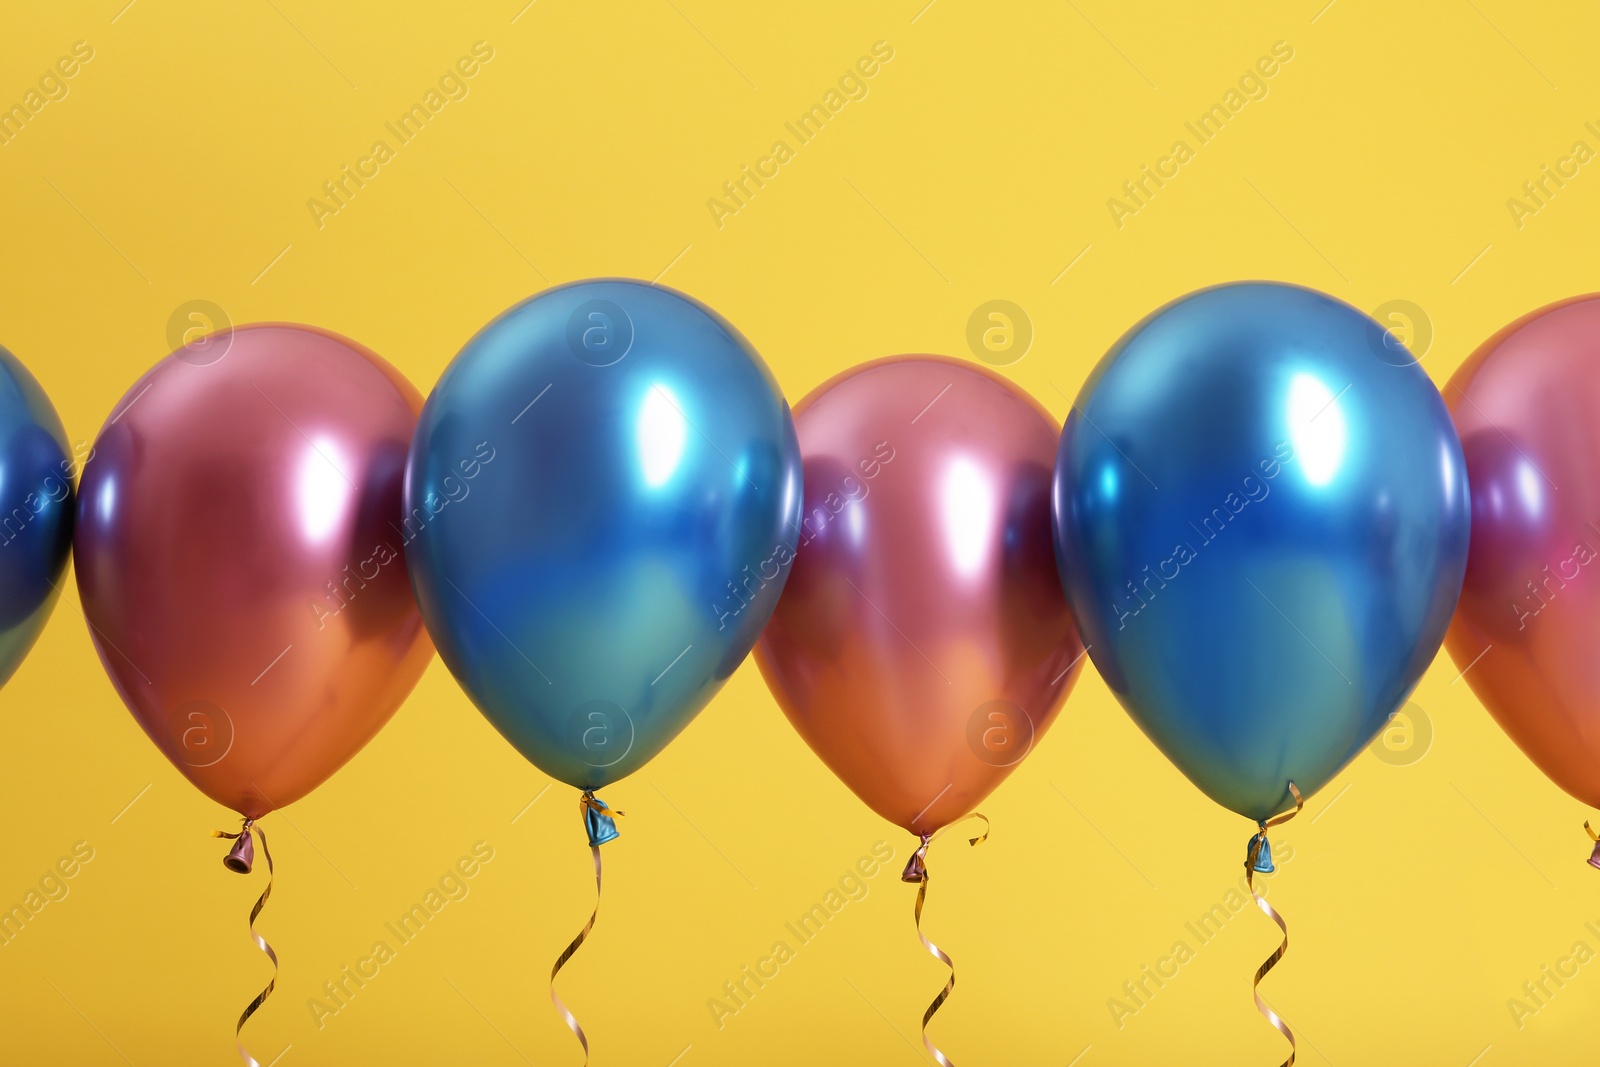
pixel 1316 428
pixel 967 502
pixel 661 433
pixel 106 503
pixel 1529 489
pixel 322 492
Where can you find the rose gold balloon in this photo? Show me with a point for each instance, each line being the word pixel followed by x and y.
pixel 1527 628
pixel 240 558
pixel 922 644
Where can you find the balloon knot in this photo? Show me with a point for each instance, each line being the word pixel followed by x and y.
pixel 598 820
pixel 917 867
pixel 1258 856
pixel 242 856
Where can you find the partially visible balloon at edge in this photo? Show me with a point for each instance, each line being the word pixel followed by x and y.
pixel 1526 634
pixel 36 511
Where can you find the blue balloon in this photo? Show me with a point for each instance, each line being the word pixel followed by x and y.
pixel 602 501
pixel 1261 523
pixel 36 511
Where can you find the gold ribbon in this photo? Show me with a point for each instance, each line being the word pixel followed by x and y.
pixel 934 950
pixel 590 802
pixel 1592 835
pixel 1256 845
pixel 586 803
pixel 261 942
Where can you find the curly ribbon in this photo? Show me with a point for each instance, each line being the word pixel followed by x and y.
pixel 917 871
pixel 598 822
pixel 1258 843
pixel 1594 857
pixel 239 860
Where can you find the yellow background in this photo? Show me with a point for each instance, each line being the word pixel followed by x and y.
pixel 1423 891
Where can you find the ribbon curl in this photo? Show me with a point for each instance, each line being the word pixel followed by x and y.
pixel 598 823
pixel 239 860
pixel 1594 857
pixel 1258 843
pixel 917 871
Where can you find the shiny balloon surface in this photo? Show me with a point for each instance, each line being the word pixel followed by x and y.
pixel 1527 632
pixel 36 510
pixel 605 487
pixel 923 646
pixel 240 558
pixel 1262 517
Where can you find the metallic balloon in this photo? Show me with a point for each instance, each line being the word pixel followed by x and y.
pixel 1262 521
pixel 601 500
pixel 36 507
pixel 923 645
pixel 1526 631
pixel 240 563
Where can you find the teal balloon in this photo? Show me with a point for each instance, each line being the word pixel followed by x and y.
pixel 602 502
pixel 36 511
pixel 1261 524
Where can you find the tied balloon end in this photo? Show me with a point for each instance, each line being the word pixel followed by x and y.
pixel 916 871
pixel 241 857
pixel 1594 857
pixel 1258 856
pixel 598 820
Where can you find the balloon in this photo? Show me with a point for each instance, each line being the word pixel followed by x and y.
pixel 239 558
pixel 1262 522
pixel 606 488
pixel 36 505
pixel 923 645
pixel 1526 631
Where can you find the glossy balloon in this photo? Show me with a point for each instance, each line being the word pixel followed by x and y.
pixel 1262 519
pixel 603 485
pixel 1527 631
pixel 923 645
pixel 36 510
pixel 240 563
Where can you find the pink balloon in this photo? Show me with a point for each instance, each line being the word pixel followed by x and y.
pixel 923 643
pixel 1527 629
pixel 240 555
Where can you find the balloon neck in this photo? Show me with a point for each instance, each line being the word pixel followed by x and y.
pixel 1258 857
pixel 917 867
pixel 242 856
pixel 598 820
